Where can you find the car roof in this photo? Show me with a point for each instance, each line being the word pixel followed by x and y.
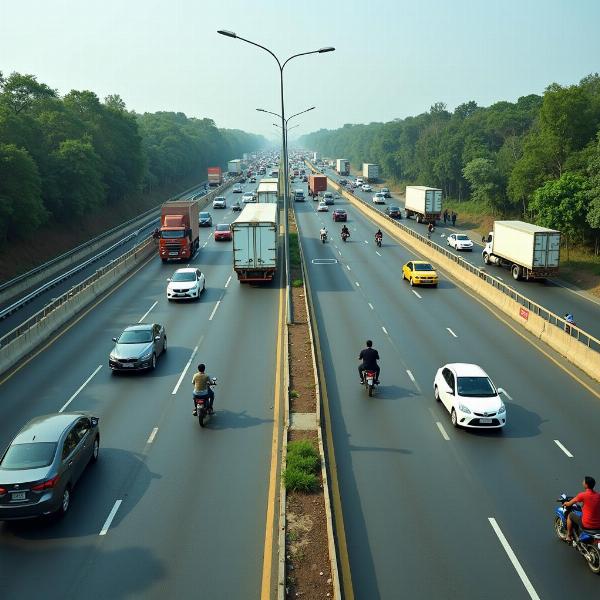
pixel 186 270
pixel 46 428
pixel 467 370
pixel 139 326
pixel 420 262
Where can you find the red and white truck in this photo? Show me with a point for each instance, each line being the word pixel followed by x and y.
pixel 179 233
pixel 215 176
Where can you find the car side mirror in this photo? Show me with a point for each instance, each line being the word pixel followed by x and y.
pixel 157 338
pixel 501 391
pixel 114 339
pixel 168 279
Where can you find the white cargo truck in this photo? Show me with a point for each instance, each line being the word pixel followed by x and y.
pixel 235 166
pixel 424 203
pixel 268 190
pixel 316 157
pixel 342 166
pixel 370 172
pixel 255 243
pixel 530 251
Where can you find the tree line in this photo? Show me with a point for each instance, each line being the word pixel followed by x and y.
pixel 64 157
pixel 537 158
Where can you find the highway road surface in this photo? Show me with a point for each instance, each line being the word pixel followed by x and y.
pixel 431 511
pixel 554 295
pixel 188 505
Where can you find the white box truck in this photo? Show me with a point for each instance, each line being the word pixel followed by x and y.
pixel 342 166
pixel 424 203
pixel 268 190
pixel 530 251
pixel 316 157
pixel 370 172
pixel 255 243
pixel 235 166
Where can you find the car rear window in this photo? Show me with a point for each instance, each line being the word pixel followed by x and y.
pixel 32 455
pixel 423 267
pixel 475 387
pixel 222 227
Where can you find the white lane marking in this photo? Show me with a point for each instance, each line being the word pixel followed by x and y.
pixel 416 293
pixel 80 388
pixel 204 244
pixel 212 314
pixel 384 330
pixel 110 517
pixel 412 377
pixel 563 448
pixel 500 278
pixel 366 242
pixel 451 332
pixel 514 560
pixel 339 253
pixel 376 252
pixel 152 435
pixel 148 312
pixel 187 366
pixel 442 431
pixel 507 395
pixel 371 306
pixel 227 284
pixel 357 284
pixel 348 267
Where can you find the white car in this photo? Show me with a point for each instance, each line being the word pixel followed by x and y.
pixel 186 284
pixel 365 187
pixel 248 198
pixel 237 188
pixel 358 181
pixel 459 241
pixel 219 202
pixel 323 207
pixel 379 198
pixel 386 192
pixel 469 396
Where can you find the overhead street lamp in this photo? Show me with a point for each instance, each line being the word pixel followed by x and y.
pixel 284 152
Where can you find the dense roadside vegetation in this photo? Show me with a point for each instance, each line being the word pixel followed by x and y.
pixel 65 158
pixel 537 158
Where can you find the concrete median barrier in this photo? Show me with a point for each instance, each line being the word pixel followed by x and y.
pixel 33 339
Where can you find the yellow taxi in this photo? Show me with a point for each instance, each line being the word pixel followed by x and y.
pixel 419 272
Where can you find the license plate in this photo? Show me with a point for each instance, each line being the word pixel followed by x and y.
pixel 485 420
pixel 17 496
pixel 127 365
pixel 173 253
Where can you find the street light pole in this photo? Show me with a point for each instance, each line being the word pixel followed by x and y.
pixel 281 66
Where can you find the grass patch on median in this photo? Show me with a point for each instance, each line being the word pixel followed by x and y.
pixel 302 467
pixel 294 250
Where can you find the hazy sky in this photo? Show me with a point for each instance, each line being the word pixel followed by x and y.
pixel 393 58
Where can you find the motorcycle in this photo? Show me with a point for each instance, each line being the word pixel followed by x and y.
pixel 369 379
pixel 587 541
pixel 378 241
pixel 345 236
pixel 429 232
pixel 202 405
pixel 323 237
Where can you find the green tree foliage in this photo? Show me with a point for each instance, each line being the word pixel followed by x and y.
pixel 503 155
pixel 62 158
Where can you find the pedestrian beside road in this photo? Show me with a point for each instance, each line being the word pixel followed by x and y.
pixel 454 215
pixel 445 216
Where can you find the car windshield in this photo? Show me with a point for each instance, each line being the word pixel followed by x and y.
pixel 135 336
pixel 423 267
pixel 204 215
pixel 29 456
pixel 462 238
pixel 222 227
pixel 394 208
pixel 475 387
pixel 219 199
pixel 171 234
pixel 184 276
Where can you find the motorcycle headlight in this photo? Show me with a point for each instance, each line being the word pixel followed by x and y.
pixel 502 408
pixel 464 409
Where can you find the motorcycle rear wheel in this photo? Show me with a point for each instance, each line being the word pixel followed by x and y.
pixel 370 390
pixel 560 528
pixel 201 415
pixel 593 559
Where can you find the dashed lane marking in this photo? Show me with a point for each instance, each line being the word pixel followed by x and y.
pixel 442 431
pixel 451 332
pixel 187 366
pixel 371 306
pixel 148 312
pixel 152 435
pixel 110 518
pixel 416 293
pixel 80 388
pixel 212 314
pixel 563 448
pixel 384 330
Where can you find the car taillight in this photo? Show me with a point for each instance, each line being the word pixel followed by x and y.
pixel 46 485
pixel 2 491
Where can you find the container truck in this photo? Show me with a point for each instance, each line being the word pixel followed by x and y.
pixel 215 176
pixel 370 172
pixel 530 251
pixel 424 203
pixel 255 242
pixel 316 184
pixel 235 166
pixel 268 190
pixel 316 157
pixel 342 166
pixel 179 233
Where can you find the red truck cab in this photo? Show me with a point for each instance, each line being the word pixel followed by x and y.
pixel 179 234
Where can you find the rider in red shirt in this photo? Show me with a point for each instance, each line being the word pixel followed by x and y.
pixel 590 519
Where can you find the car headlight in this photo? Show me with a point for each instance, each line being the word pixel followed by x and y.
pixel 111 356
pixel 147 354
pixel 502 408
pixel 464 409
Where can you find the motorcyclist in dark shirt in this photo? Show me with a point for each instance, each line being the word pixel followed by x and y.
pixel 345 231
pixel 369 357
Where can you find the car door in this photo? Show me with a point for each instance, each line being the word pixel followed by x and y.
pixel 407 270
pixel 452 240
pixel 68 459
pixel 448 396
pixel 83 450
pixel 158 343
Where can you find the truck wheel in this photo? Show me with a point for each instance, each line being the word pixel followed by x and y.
pixel 418 218
pixel 516 272
pixel 486 258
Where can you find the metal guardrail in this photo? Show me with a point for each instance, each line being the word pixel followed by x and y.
pixel 579 334
pixel 57 302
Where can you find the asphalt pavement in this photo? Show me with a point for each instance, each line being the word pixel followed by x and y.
pixel 193 502
pixel 553 294
pixel 430 510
